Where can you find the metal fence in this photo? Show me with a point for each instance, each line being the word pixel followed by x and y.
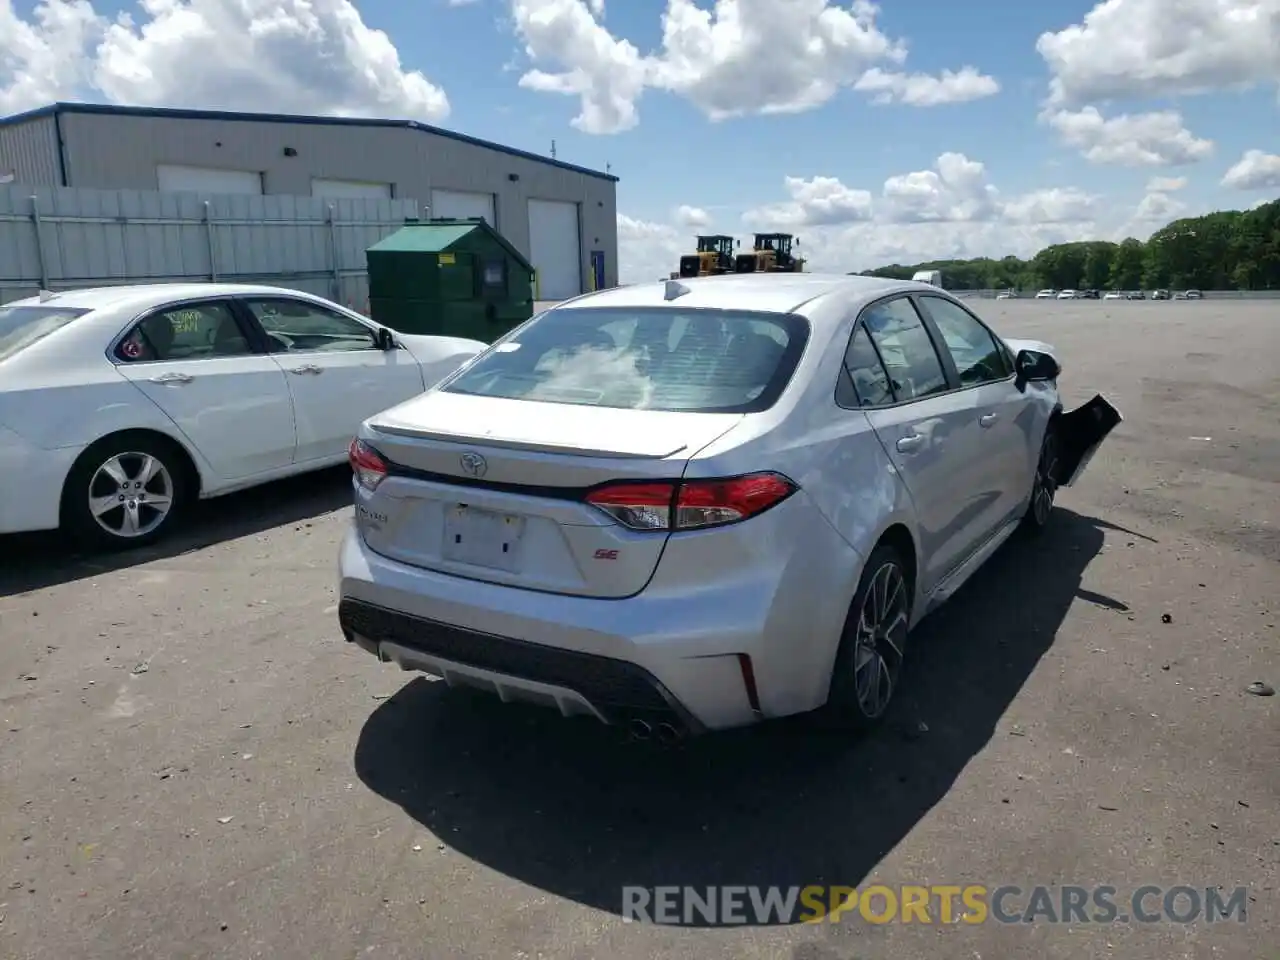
pixel 59 238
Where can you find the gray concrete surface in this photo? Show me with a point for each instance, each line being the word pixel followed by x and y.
pixel 193 763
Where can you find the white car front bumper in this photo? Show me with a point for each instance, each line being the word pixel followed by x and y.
pixel 31 481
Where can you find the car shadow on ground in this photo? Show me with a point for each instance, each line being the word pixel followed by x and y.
pixel 35 561
pixel 567 807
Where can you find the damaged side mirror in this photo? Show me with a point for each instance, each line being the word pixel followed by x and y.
pixel 1033 367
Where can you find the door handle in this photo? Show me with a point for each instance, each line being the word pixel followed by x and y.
pixel 989 419
pixel 908 444
pixel 173 378
pixel 310 368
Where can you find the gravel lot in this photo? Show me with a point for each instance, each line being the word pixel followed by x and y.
pixel 193 763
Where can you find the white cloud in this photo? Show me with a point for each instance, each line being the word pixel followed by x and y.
pixel 1166 184
pixel 1254 171
pixel 688 216
pixel 948 211
pixel 305 56
pixel 648 250
pixel 1157 139
pixel 923 90
pixel 607 75
pixel 43 59
pixel 1058 205
pixel 822 201
pixel 740 57
pixel 1160 48
pixel 956 191
pixel 1161 207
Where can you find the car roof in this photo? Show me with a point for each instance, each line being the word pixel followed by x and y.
pixel 146 294
pixel 761 292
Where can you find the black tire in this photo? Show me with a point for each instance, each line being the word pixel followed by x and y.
pixel 90 478
pixel 848 706
pixel 1044 487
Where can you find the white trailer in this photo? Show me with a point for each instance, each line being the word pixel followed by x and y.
pixel 928 276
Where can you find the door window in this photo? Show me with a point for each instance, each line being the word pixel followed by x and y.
pixel 295 326
pixel 905 349
pixel 190 332
pixel 864 381
pixel 978 356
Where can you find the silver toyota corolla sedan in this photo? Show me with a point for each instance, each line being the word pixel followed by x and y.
pixel 697 504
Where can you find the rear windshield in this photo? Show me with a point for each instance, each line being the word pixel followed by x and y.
pixel 22 326
pixel 696 361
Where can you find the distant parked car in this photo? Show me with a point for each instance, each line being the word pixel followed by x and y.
pixel 668 541
pixel 120 405
pixel 1067 295
pixel 1007 295
pixel 1160 295
pixel 1135 295
pixel 1194 295
pixel 1113 295
pixel 1089 295
pixel 1046 294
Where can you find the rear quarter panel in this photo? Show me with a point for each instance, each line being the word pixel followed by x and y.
pixel 848 487
pixel 64 399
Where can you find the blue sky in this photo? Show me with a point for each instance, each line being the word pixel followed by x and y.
pixel 1143 90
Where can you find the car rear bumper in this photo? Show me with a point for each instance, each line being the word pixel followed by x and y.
pixel 575 683
pixel 32 483
pixel 694 659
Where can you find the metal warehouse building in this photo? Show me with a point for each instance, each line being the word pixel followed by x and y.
pixel 561 216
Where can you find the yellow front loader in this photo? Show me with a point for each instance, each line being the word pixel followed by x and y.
pixel 772 254
pixel 714 257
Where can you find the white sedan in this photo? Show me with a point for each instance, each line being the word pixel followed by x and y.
pixel 120 405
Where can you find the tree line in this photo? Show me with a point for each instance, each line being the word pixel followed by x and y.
pixel 1227 250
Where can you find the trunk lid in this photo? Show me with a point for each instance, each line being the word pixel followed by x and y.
pixel 492 489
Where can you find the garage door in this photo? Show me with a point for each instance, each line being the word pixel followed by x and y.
pixel 350 190
pixel 178 179
pixel 463 206
pixel 554 248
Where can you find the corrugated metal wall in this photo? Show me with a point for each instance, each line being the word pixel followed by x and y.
pixel 30 151
pixel 112 152
pixel 58 238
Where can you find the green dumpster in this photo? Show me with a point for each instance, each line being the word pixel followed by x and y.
pixel 454 278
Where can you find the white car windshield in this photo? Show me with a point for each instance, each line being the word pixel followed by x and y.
pixel 655 358
pixel 21 326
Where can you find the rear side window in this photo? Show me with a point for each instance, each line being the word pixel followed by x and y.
pixel 190 332
pixel 906 349
pixel 865 382
pixel 696 361
pixel 20 327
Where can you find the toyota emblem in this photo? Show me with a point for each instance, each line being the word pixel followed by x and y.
pixel 474 464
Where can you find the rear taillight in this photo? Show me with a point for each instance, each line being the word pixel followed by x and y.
pixel 369 468
pixel 691 504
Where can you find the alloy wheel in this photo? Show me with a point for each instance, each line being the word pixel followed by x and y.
pixel 130 495
pixel 880 640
